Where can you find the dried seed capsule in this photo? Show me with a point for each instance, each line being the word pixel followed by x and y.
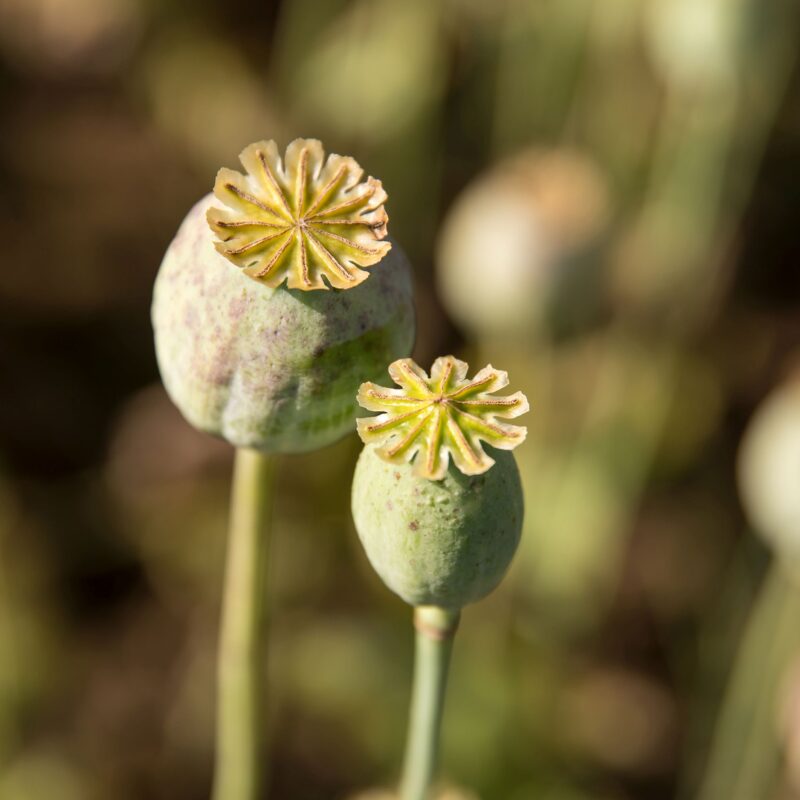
pixel 267 366
pixel 439 518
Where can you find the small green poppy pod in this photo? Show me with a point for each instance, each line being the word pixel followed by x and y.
pixel 247 349
pixel 439 518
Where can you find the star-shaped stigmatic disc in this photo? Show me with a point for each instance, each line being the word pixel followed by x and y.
pixel 430 419
pixel 307 221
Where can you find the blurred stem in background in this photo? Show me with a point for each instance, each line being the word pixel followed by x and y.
pixel 745 756
pixel 239 774
pixel 540 59
pixel 715 67
pixel 435 629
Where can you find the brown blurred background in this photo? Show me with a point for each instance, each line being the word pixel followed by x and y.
pixel 600 197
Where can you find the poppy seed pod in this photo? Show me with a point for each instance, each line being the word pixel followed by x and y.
pixel 518 248
pixel 769 459
pixel 440 543
pixel 245 355
pixel 440 531
pixel 695 46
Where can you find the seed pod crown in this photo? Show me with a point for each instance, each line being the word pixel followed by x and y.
pixel 430 419
pixel 307 221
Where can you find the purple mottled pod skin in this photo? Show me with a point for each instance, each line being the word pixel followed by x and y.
pixel 272 369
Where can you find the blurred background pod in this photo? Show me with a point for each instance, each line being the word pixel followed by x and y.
pixel 518 252
pixel 83 37
pixel 754 741
pixel 696 46
pixel 445 793
pixel 768 464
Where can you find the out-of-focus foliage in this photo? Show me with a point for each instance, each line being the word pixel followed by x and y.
pixel 599 197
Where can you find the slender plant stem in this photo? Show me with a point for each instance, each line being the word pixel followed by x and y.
pixel 745 757
pixel 238 773
pixel 435 629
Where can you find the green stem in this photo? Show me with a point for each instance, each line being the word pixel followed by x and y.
pixel 435 629
pixel 745 757
pixel 238 771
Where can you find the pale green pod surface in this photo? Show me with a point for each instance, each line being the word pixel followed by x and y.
pixel 446 542
pixel 275 369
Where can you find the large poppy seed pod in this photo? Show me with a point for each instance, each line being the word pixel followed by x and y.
pixel 439 519
pixel 769 466
pixel 245 356
pixel 516 250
